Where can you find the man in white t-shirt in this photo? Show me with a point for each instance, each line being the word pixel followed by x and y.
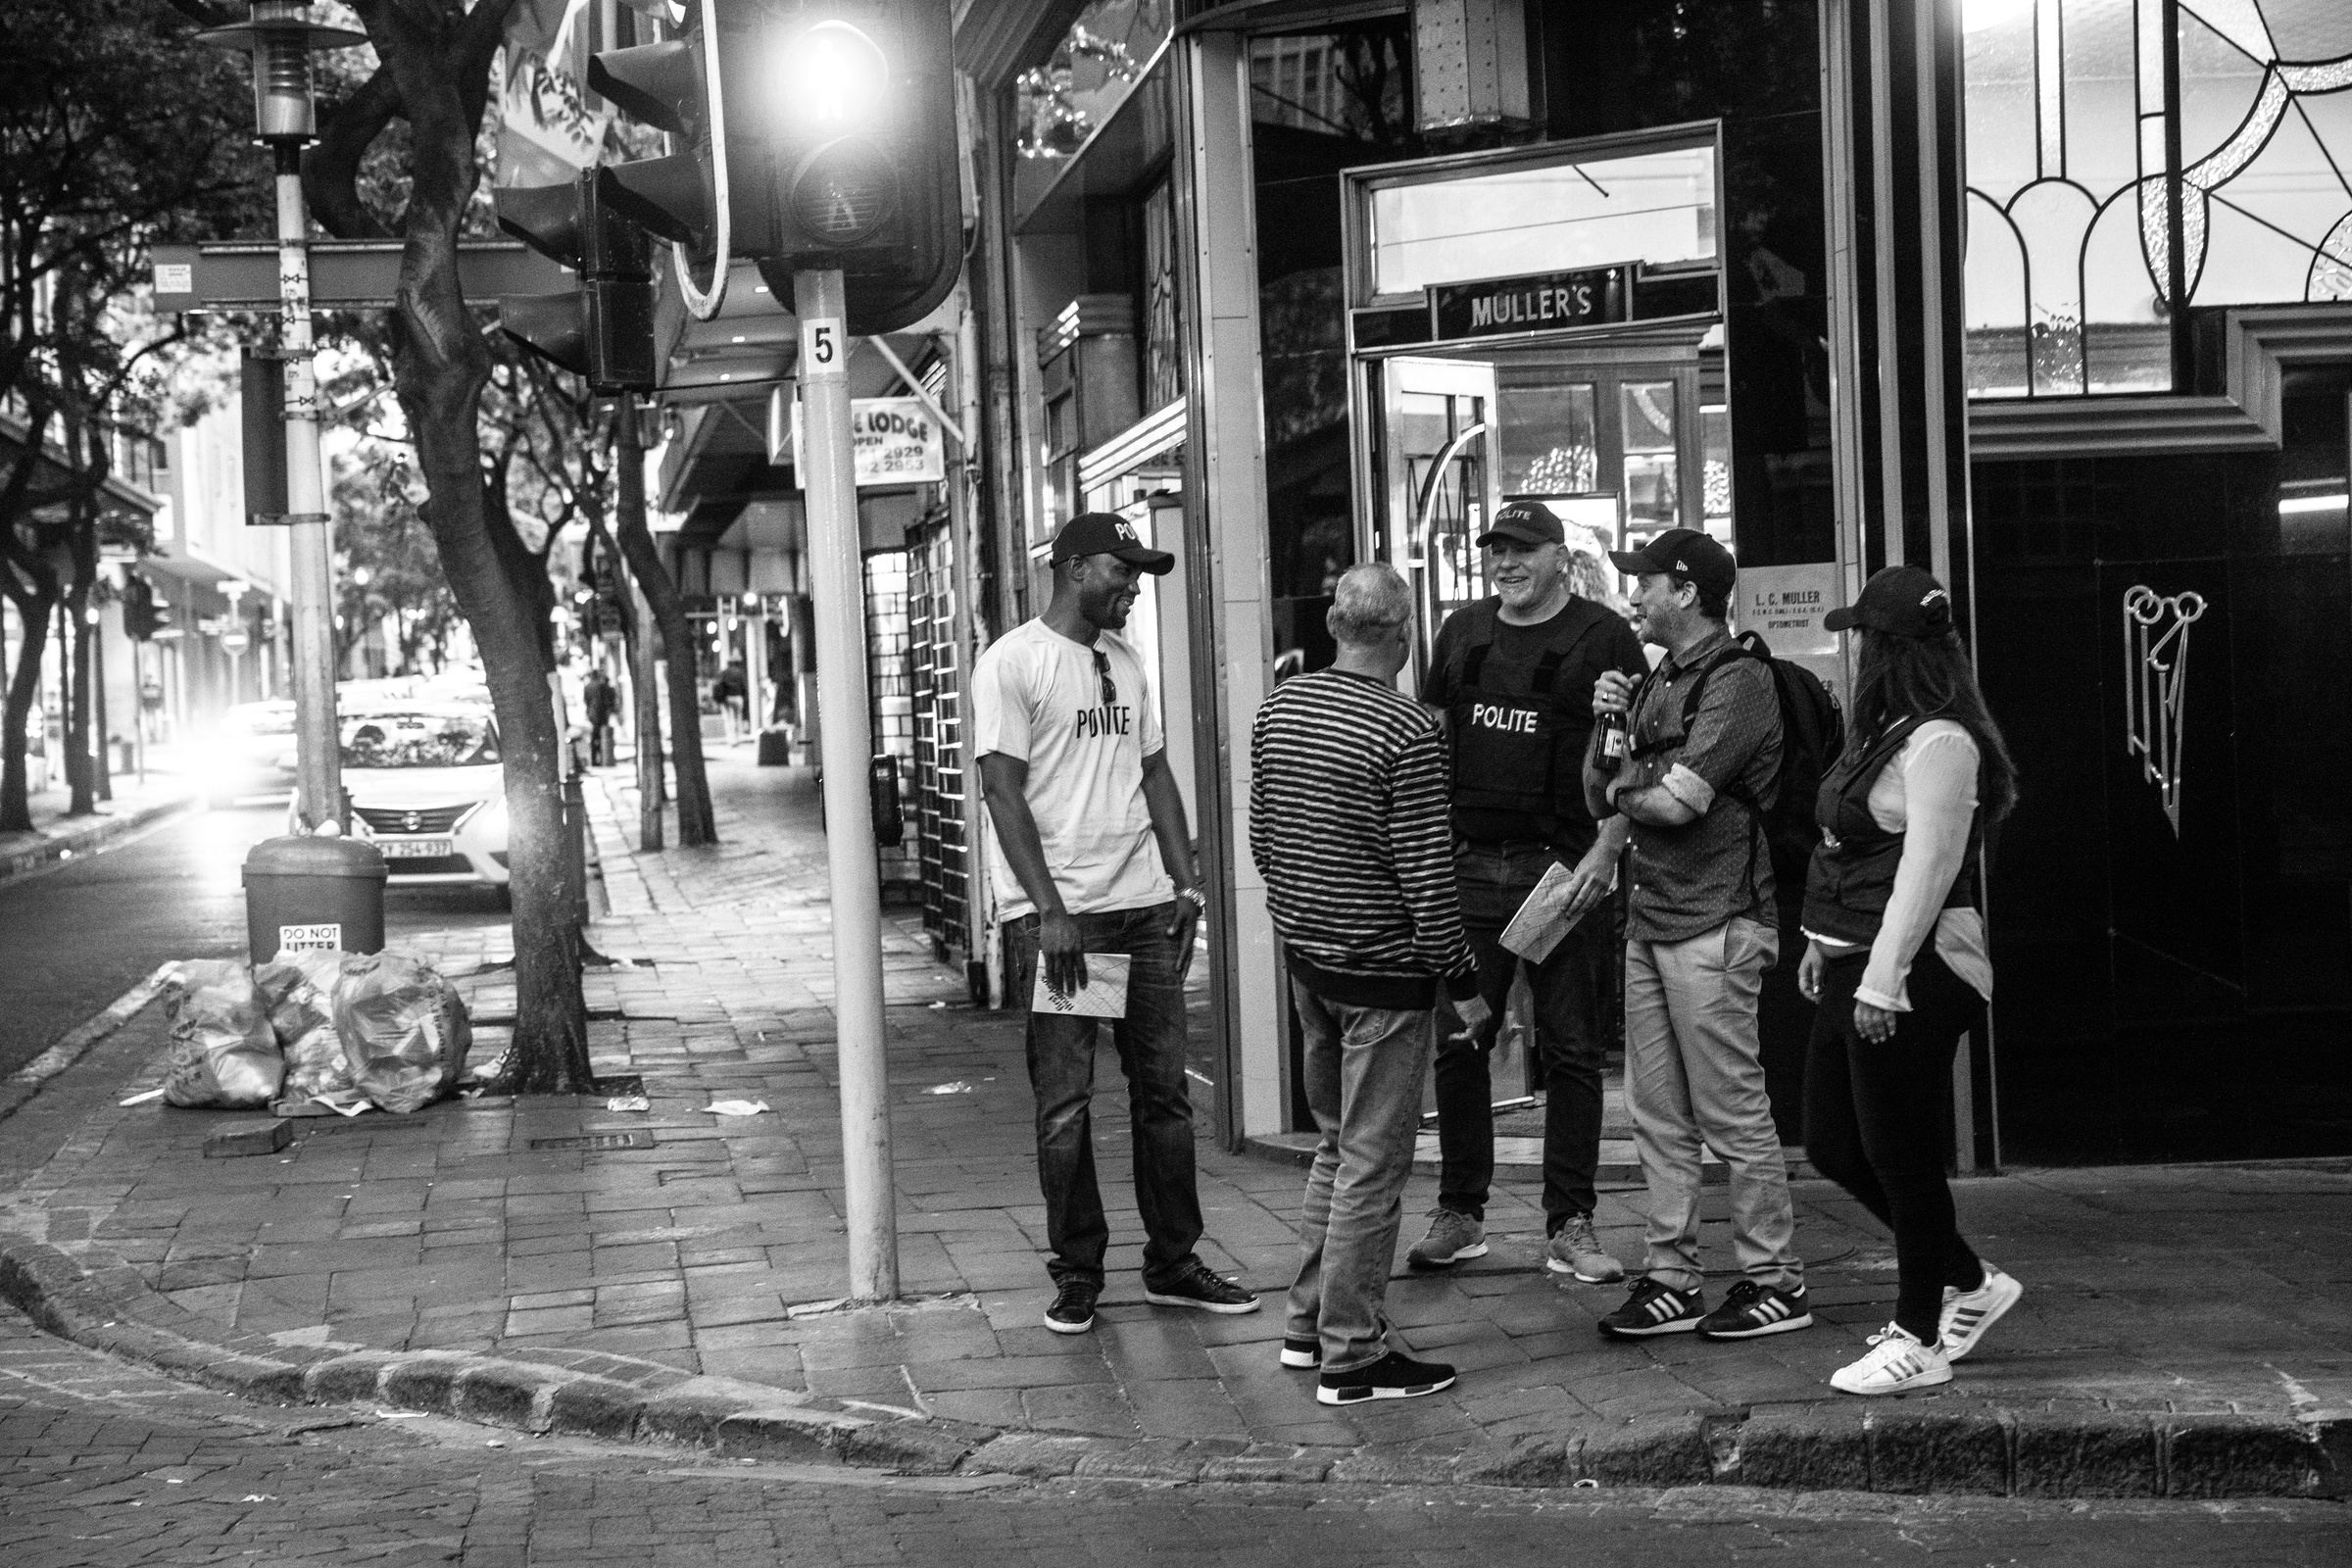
pixel 1094 857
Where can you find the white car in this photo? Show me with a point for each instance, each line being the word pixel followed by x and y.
pixel 251 752
pixel 427 790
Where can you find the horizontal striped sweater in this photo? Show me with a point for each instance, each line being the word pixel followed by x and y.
pixel 1348 804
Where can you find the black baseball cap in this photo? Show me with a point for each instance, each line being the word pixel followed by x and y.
pixel 1530 522
pixel 1906 601
pixel 1107 533
pixel 1683 553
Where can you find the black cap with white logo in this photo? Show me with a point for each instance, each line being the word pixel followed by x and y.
pixel 1107 533
pixel 1530 522
pixel 1683 553
pixel 1905 601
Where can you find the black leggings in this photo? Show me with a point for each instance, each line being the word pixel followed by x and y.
pixel 1876 1123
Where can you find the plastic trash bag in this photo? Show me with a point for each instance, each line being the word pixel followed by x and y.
pixel 224 1052
pixel 404 1030
pixel 299 989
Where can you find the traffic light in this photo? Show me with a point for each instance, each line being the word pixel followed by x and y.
pixel 604 328
pixel 685 196
pixel 856 110
pixel 142 616
pixel 807 135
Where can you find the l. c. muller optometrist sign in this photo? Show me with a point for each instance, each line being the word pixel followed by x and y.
pixel 1538 302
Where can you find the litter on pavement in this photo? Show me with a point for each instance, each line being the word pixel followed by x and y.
pixel 736 1107
pixel 632 1103
pixel 141 1098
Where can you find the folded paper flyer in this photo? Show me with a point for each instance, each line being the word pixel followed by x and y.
pixel 1104 996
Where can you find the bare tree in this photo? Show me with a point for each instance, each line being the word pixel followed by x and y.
pixel 433 76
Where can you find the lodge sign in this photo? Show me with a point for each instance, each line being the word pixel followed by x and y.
pixel 1541 302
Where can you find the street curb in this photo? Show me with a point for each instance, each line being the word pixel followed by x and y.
pixel 17 863
pixel 1894 1447
pixel 80 1040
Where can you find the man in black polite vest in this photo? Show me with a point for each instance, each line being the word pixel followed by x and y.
pixel 1514 675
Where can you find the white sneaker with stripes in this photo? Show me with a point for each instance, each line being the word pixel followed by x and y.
pixel 1967 1314
pixel 1896 1363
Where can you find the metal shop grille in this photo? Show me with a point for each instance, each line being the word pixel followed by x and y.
pixel 939 787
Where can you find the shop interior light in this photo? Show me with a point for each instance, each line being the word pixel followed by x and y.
pixel 831 77
pixel 1978 15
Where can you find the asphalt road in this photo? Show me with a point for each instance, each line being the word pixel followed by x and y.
pixel 109 1465
pixel 78 933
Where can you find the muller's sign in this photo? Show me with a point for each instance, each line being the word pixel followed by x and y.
pixel 1541 302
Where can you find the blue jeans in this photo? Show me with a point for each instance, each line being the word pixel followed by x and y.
pixel 1363 1082
pixel 1061 1072
pixel 1570 991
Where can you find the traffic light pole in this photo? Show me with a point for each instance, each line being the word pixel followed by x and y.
pixel 839 590
pixel 317 759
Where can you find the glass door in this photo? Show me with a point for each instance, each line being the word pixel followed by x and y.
pixel 1436 483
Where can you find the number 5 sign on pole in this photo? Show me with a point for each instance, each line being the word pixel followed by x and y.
pixel 837 584
pixel 823 350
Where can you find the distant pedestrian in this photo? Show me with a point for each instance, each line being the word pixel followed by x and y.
pixel 1096 858
pixel 1514 675
pixel 732 692
pixel 1898 966
pixel 600 701
pixel 1348 825
pixel 1701 773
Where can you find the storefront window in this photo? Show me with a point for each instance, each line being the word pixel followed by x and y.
pixel 1549 442
pixel 1652 495
pixel 1658 206
pixel 2070 227
pixel 1059 104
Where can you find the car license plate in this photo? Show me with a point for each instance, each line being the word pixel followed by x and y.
pixel 412 848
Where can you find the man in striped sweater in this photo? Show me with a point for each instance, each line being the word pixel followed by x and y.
pixel 1348 825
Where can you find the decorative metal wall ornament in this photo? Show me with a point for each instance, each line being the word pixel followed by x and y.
pixel 2156 680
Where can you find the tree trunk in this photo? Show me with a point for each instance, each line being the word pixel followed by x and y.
pixel 440 365
pixel 628 470
pixel 696 824
pixel 74 668
pixel 23 696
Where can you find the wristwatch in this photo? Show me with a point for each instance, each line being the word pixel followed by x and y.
pixel 1195 896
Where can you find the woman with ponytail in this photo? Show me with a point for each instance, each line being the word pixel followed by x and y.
pixel 1897 965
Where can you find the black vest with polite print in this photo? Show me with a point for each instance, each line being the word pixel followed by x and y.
pixel 1852 879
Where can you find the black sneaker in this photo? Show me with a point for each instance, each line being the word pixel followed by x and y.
pixel 1754 1311
pixel 1302 1352
pixel 1197 1288
pixel 1393 1377
pixel 1073 1308
pixel 1654 1308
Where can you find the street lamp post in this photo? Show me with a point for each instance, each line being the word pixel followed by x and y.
pixel 280 37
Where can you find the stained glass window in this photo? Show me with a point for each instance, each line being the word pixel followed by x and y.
pixel 2071 105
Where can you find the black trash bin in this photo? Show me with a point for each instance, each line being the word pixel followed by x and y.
pixel 314 893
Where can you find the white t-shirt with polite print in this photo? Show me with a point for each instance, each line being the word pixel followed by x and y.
pixel 1039 695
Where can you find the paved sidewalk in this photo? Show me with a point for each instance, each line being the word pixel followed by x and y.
pixel 699 1245
pixel 56 836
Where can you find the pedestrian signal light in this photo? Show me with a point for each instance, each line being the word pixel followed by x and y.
pixel 604 328
pixel 683 196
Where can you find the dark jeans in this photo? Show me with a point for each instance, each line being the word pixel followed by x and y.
pixel 1570 990
pixel 1878 1122
pixel 1061 1071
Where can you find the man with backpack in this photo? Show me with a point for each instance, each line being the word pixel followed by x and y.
pixel 1701 774
pixel 1514 675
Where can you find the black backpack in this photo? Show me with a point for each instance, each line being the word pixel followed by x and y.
pixel 1812 733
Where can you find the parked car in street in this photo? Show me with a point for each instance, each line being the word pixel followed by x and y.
pixel 252 753
pixel 427 790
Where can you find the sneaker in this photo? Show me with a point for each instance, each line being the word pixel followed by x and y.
pixel 1197 1288
pixel 1575 1250
pixel 1392 1377
pixel 1302 1352
pixel 1751 1311
pixel 1967 1314
pixel 1451 1238
pixel 1896 1362
pixel 1654 1308
pixel 1073 1308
